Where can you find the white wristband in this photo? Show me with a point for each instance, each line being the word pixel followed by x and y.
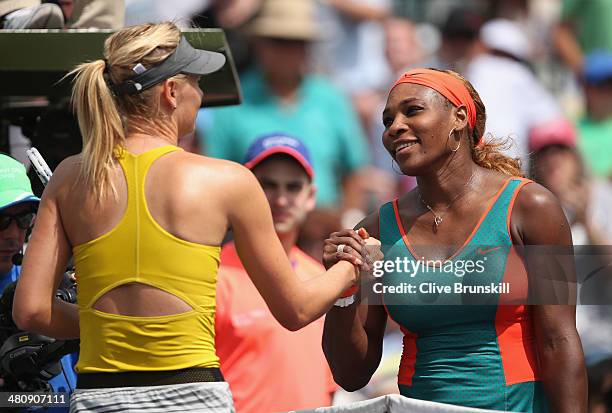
pixel 345 302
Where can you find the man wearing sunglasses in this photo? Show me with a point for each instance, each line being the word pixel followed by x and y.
pixel 17 213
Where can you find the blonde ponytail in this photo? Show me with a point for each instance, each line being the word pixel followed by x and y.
pixel 105 119
pixel 100 124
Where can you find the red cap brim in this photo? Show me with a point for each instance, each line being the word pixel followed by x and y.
pixel 285 150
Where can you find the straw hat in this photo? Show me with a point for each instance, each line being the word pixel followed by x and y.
pixel 286 19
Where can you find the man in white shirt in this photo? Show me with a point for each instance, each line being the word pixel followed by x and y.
pixel 516 101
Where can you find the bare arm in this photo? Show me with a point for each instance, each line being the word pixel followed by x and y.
pixel 352 343
pixel 36 308
pixel 294 303
pixel 353 335
pixel 234 13
pixel 567 46
pixel 358 10
pixel 539 222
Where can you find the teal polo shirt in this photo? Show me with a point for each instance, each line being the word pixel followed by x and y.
pixel 322 118
pixel 596 145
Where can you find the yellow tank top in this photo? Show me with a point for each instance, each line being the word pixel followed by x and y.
pixel 139 250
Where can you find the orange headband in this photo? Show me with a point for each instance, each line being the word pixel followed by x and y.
pixel 447 85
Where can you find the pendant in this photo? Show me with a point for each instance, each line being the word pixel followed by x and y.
pixel 437 220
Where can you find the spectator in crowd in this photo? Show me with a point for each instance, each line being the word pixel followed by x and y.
pixel 584 27
pixel 595 129
pixel 99 14
pixel 17 213
pixel 155 11
pixel 350 50
pixel 231 15
pixel 351 47
pixel 558 166
pixel 586 200
pixel 459 39
pixel 403 51
pixel 30 14
pixel 281 94
pixel 77 14
pixel 516 101
pixel 235 13
pixel 18 209
pixel 248 338
pixel 227 13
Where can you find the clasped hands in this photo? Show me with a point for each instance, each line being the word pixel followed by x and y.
pixel 356 247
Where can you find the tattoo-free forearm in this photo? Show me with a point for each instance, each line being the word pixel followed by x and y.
pixel 564 374
pixel 345 344
pixel 63 323
pixel 568 48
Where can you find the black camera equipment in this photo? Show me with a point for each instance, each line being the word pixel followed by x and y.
pixel 52 129
pixel 28 360
pixel 34 96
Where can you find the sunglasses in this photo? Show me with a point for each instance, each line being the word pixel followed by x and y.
pixel 23 220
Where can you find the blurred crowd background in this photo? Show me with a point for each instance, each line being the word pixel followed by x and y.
pixel 320 70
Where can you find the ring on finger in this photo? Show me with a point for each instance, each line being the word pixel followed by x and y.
pixel 340 248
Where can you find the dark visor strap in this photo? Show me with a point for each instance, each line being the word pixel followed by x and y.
pixel 182 56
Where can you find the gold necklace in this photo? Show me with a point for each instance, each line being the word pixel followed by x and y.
pixel 438 217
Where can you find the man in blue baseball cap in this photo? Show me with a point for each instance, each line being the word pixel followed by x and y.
pixel 248 339
pixel 595 129
pixel 276 143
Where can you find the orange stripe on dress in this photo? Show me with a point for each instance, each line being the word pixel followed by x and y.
pixel 408 361
pixel 513 321
pixel 514 325
pixel 524 181
pixel 398 220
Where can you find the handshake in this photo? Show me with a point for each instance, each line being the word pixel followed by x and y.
pixel 357 247
pixel 372 250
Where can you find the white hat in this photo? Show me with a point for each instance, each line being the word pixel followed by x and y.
pixel 505 36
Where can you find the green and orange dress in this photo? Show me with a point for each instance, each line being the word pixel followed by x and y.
pixel 471 343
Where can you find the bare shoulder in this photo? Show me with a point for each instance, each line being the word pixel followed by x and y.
pixel 228 180
pixel 537 216
pixel 68 166
pixel 203 167
pixel 64 175
pixel 534 200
